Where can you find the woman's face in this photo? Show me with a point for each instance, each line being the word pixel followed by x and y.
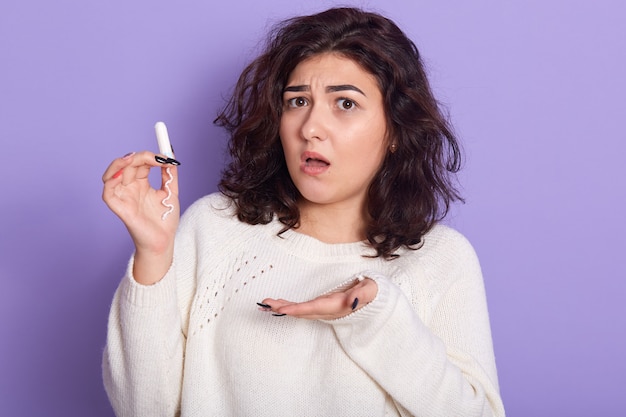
pixel 333 130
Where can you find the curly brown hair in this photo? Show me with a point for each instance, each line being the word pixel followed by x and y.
pixel 415 185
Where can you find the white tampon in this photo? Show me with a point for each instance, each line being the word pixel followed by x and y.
pixel 165 148
pixel 163 139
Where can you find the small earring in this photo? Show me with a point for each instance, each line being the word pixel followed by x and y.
pixel 393 147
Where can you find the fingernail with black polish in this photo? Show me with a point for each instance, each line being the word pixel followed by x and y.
pixel 264 305
pixel 160 159
pixel 278 315
pixel 355 303
pixel 172 161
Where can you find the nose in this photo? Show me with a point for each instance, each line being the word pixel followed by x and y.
pixel 314 126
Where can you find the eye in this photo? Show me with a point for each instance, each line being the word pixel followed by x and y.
pixel 297 102
pixel 346 104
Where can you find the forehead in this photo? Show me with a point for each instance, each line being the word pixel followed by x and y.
pixel 331 69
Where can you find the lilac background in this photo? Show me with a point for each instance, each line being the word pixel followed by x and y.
pixel 535 89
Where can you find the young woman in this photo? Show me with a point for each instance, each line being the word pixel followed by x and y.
pixel 318 282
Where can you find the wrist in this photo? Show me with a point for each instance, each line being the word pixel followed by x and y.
pixel 150 267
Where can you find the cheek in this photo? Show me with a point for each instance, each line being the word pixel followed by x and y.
pixel 290 154
pixel 285 133
pixel 374 158
pixel 369 158
pixel 369 144
pixel 285 142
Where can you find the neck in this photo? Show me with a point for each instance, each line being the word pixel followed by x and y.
pixel 332 224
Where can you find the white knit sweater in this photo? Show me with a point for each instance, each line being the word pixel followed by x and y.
pixel 195 343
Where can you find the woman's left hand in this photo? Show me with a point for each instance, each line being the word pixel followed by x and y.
pixel 330 306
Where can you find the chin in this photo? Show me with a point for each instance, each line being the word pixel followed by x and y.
pixel 316 199
pixel 315 196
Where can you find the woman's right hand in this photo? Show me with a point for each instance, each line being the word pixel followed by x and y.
pixel 129 195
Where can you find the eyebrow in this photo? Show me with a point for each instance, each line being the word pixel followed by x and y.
pixel 329 89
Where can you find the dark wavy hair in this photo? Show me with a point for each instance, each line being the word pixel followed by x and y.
pixel 415 185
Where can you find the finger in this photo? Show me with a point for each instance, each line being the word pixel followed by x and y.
pixel 363 293
pixel 275 304
pixel 114 169
pixel 126 170
pixel 333 306
pixel 113 176
pixel 132 165
pixel 139 168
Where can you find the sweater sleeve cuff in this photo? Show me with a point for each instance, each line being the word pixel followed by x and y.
pixel 366 322
pixel 148 296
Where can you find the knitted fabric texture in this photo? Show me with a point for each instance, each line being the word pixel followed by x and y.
pixel 195 343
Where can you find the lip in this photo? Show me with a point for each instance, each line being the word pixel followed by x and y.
pixel 313 170
pixel 313 155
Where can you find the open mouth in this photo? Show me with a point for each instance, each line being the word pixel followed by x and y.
pixel 315 163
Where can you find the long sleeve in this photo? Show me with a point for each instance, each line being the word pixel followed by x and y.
pixel 195 344
pixel 143 358
pixel 445 367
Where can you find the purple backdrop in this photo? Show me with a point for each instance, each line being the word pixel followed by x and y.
pixel 535 89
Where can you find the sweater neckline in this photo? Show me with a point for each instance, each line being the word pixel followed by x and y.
pixel 306 246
